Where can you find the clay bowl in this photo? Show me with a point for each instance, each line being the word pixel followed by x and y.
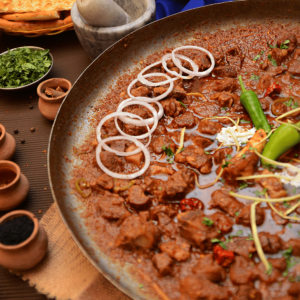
pixel 29 253
pixel 7 144
pixel 14 186
pixel 49 106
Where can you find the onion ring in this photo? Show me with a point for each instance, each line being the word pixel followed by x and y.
pixel 143 136
pixel 169 56
pixel 150 100
pixel 131 121
pixel 106 147
pixel 141 76
pixel 123 176
pixel 193 73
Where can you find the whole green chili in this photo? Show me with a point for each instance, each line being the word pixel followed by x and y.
pixel 284 138
pixel 251 103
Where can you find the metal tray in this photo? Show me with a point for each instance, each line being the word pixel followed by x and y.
pixel 95 82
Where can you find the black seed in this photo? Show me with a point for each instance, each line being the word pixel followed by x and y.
pixel 23 141
pixel 16 130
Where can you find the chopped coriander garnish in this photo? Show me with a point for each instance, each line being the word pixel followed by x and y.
pixel 222 244
pixel 284 65
pixel 250 237
pixel 250 255
pixel 290 87
pixel 239 232
pixel 244 155
pixel 284 46
pixel 237 213
pixel 181 150
pixel 288 103
pixel 182 104
pixel 296 155
pixel 168 150
pixel 206 152
pixel 160 188
pixel 290 225
pixel 285 204
pixel 245 121
pixel 256 57
pixel 222 180
pixel 254 77
pixel 296 105
pixel 274 63
pixel 223 108
pixel 243 185
pixel 208 222
pixel 22 66
pixel 294 191
pixel 271 46
pixel 228 156
pixel 262 52
pixel 226 164
pixel 269 271
pixel 258 193
pixel 141 286
pixel 252 148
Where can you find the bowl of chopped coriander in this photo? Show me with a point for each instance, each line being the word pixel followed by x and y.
pixel 23 67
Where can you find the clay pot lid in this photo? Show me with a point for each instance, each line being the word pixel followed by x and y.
pixel 2 131
pixel 20 213
pixel 51 83
pixel 16 169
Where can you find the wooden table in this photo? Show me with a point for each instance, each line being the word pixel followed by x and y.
pixel 16 111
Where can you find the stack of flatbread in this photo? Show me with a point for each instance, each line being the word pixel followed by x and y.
pixel 35 15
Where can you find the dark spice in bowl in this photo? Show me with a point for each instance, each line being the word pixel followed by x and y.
pixel 16 231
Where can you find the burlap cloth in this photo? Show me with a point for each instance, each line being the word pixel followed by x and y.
pixel 65 273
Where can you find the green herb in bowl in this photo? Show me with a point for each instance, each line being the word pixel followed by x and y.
pixel 23 66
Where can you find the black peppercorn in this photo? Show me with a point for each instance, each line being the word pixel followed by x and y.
pixel 16 130
pixel 31 107
pixel 22 141
pixel 16 231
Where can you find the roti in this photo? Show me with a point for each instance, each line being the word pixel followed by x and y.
pixel 33 16
pixel 18 6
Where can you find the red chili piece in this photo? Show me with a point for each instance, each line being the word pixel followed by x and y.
pixel 273 88
pixel 190 204
pixel 223 257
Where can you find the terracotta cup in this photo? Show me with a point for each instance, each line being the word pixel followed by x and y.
pixel 7 144
pixel 14 186
pixel 29 253
pixel 49 106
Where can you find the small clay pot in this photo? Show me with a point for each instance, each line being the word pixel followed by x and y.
pixel 7 144
pixel 49 106
pixel 29 253
pixel 14 186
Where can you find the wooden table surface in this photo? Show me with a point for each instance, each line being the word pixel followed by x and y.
pixel 70 60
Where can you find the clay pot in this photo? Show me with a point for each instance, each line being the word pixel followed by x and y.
pixel 14 186
pixel 29 253
pixel 49 106
pixel 7 144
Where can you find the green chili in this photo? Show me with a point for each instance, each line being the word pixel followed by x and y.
pixel 284 138
pixel 80 191
pixel 251 103
pixel 124 188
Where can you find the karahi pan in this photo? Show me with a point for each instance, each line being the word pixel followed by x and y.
pixel 72 126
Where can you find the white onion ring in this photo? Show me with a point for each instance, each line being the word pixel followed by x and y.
pixel 115 114
pixel 150 100
pixel 145 135
pixel 169 56
pixel 131 121
pixel 193 73
pixel 141 76
pixel 123 176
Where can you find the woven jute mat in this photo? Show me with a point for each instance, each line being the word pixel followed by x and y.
pixel 65 273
